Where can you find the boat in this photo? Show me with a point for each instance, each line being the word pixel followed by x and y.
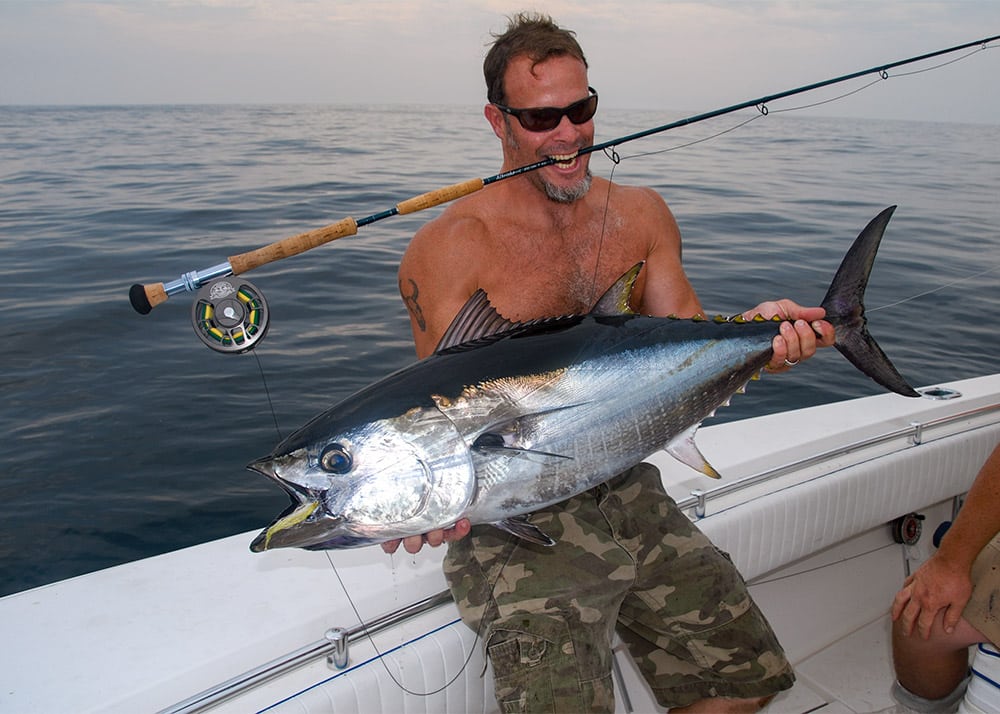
pixel 823 509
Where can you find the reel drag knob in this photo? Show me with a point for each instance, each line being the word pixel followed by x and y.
pixel 230 315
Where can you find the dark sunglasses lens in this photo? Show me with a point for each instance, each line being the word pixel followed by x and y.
pixel 540 119
pixel 583 110
pixel 548 118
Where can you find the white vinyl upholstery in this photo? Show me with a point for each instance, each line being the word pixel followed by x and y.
pixel 778 528
pixel 421 666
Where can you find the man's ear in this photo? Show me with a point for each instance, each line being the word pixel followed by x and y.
pixel 496 119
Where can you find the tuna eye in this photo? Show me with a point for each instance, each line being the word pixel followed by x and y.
pixel 335 459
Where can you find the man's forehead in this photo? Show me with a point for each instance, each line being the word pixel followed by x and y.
pixel 562 75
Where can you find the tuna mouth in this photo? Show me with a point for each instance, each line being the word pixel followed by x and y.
pixel 292 527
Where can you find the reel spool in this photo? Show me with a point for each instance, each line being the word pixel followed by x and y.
pixel 230 315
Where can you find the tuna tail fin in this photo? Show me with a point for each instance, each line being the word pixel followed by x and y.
pixel 845 309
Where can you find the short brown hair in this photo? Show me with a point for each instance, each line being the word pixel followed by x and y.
pixel 531 34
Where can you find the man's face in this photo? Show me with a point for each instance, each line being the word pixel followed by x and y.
pixel 557 82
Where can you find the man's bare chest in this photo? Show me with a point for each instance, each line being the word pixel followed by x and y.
pixel 527 280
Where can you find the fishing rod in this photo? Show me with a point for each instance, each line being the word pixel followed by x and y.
pixel 232 316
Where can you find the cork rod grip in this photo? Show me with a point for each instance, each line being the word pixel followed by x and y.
pixel 439 196
pixel 292 245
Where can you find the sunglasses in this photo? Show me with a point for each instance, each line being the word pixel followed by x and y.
pixel 548 118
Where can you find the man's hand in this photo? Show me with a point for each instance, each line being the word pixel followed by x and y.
pixel 936 586
pixel 803 331
pixel 413 544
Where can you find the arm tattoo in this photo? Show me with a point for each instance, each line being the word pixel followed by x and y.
pixel 412 305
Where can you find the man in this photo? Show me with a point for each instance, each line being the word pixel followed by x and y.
pixel 950 602
pixel 547 243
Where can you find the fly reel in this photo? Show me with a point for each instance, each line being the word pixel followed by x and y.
pixel 230 315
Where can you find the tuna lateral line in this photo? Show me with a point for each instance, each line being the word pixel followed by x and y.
pixel 145 297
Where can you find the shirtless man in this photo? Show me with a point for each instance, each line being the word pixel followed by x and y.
pixel 546 243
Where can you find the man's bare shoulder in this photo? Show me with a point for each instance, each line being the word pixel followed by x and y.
pixel 459 231
pixel 644 216
pixel 441 269
pixel 641 198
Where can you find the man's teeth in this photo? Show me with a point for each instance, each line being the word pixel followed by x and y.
pixel 563 158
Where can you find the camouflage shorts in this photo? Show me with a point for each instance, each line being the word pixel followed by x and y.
pixel 625 558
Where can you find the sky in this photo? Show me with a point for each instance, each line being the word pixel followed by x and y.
pixel 643 54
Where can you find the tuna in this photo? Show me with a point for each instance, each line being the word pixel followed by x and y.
pixel 506 418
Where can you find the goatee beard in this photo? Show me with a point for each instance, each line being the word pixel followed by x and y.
pixel 568 194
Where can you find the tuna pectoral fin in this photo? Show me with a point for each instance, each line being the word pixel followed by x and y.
pixel 519 436
pixel 686 451
pixel 845 309
pixel 493 441
pixel 520 527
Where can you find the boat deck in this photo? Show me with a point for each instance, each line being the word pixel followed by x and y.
pixel 853 675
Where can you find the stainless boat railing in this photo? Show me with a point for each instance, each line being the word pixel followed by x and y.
pixel 335 644
pixel 916 432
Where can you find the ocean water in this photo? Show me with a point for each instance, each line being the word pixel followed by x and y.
pixel 123 436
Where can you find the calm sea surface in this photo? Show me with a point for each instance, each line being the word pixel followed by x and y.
pixel 123 436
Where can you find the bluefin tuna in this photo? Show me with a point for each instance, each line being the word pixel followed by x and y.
pixel 506 418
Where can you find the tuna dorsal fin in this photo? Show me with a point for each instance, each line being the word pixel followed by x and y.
pixel 478 322
pixel 477 319
pixel 616 300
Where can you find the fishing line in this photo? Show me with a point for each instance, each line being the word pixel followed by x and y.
pixel 848 559
pixel 937 289
pixel 764 109
pixel 693 141
pixel 834 99
pixel 615 160
pixel 985 46
pixel 762 102
pixel 381 657
pixel 267 393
